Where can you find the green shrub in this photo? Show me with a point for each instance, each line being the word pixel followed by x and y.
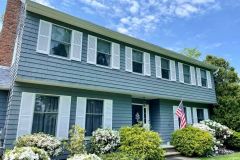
pixel 192 141
pixel 104 141
pixel 26 153
pixel 40 140
pixel 76 144
pixel 234 141
pixel 117 156
pixel 140 143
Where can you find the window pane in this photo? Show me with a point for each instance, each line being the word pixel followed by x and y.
pixel 204 78
pixel 61 34
pixel 200 115
pixel 137 56
pixel 103 59
pixel 137 67
pixel 165 63
pixel 94 115
pixel 59 49
pixel 186 73
pixel 45 114
pixel 165 74
pixel 103 46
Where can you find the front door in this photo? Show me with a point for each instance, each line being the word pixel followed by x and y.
pixel 140 114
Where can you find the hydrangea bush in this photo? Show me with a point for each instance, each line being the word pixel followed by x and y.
pixel 84 157
pixel 26 153
pixel 220 133
pixel 43 141
pixel 105 141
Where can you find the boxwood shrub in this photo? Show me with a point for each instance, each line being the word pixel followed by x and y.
pixel 192 141
pixel 141 143
pixel 234 141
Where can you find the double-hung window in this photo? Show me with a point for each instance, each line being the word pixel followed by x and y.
pixel 45 114
pixel 165 66
pixel 186 74
pixel 200 115
pixel 60 41
pixel 137 61
pixel 204 78
pixel 103 53
pixel 94 116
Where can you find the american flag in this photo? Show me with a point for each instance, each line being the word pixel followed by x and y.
pixel 180 113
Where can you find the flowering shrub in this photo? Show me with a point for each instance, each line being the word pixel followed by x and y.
pixel 105 141
pixel 141 143
pixel 75 144
pixel 192 141
pixel 43 141
pixel 84 157
pixel 26 153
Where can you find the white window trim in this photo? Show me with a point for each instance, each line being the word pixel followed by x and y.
pixel 206 79
pixel 169 69
pixel 99 65
pixel 142 62
pixel 189 74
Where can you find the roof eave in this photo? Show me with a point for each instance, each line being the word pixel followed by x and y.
pixel 66 18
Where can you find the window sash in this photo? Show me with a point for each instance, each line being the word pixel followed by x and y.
pixel 135 52
pixel 186 74
pixel 104 41
pixel 204 77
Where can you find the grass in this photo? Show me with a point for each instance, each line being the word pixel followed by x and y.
pixel 234 156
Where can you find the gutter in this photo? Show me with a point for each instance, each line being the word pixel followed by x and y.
pixel 66 18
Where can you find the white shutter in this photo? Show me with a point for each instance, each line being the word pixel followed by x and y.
pixel 147 65
pixel 26 114
pixel 189 115
pixel 81 111
pixel 195 118
pixel 199 80
pixel 63 117
pixel 44 37
pixel 173 70
pixel 76 45
pixel 92 49
pixel 206 115
pixel 209 80
pixel 175 118
pixel 158 67
pixel 115 56
pixel 107 113
pixel 193 75
pixel 128 59
pixel 180 68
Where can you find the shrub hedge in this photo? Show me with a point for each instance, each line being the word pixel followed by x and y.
pixel 234 141
pixel 192 141
pixel 141 143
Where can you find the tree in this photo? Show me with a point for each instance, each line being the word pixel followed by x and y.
pixel 228 93
pixel 191 52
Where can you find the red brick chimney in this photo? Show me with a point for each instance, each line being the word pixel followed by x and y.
pixel 9 29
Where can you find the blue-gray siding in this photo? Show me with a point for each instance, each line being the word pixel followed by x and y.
pixel 3 107
pixel 122 111
pixel 36 66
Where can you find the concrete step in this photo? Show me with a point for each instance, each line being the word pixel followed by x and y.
pixel 173 153
pixel 170 151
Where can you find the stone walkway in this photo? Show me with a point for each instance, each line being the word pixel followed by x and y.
pixel 180 158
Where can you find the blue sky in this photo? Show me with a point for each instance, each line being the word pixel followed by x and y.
pixel 212 26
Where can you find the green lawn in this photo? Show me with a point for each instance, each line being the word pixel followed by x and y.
pixel 235 156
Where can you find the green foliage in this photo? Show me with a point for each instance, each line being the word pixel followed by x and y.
pixel 40 140
pixel 191 52
pixel 192 141
pixel 140 143
pixel 75 144
pixel 117 156
pixel 228 93
pixel 234 141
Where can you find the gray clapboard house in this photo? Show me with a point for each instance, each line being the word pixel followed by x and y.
pixel 68 71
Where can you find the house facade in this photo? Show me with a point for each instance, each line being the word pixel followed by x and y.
pixel 66 71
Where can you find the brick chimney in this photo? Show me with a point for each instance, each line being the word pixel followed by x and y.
pixel 9 29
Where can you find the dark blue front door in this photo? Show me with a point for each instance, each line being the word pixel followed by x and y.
pixel 137 113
